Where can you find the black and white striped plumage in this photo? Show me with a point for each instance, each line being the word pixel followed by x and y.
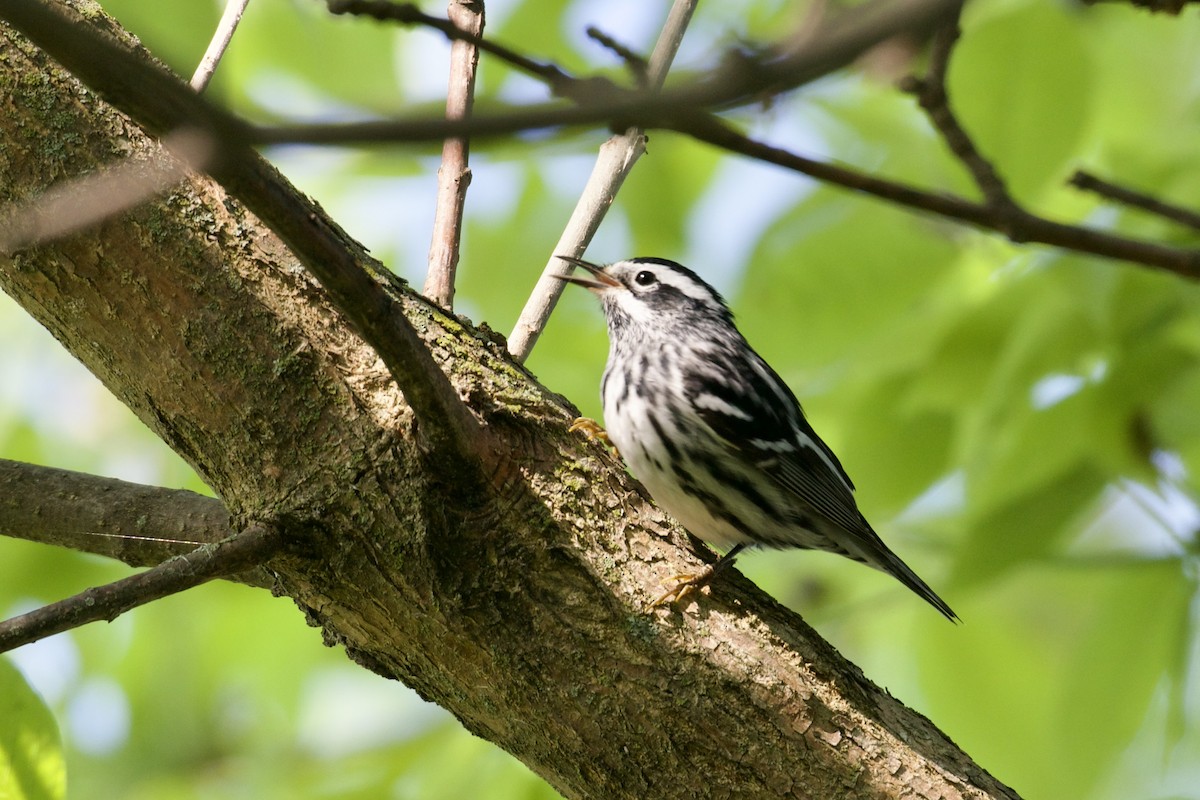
pixel 713 432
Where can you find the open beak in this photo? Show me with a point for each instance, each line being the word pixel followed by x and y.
pixel 602 279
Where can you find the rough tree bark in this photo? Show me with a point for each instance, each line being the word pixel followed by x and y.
pixel 520 605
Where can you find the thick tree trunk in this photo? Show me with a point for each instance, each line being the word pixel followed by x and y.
pixel 520 605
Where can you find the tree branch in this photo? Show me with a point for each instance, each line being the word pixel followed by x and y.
pixel 1024 227
pixel 1121 194
pixel 454 175
pixel 930 92
pixel 667 111
pixel 740 79
pixel 250 548
pixel 139 525
pixel 161 103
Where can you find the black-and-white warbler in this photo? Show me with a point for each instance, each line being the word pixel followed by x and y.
pixel 713 432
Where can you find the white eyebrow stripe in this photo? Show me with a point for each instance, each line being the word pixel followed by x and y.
pixel 684 285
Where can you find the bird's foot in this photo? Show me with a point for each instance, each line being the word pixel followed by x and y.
pixel 684 586
pixel 687 585
pixel 593 431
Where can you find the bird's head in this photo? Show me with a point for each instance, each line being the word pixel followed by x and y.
pixel 651 292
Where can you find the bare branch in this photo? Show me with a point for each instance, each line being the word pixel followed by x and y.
pixel 250 548
pixel 931 94
pixel 139 525
pixel 636 64
pixel 1172 7
pixel 220 42
pixel 454 175
pixel 738 80
pixel 616 159
pixel 409 14
pixel 1091 183
pixel 1018 224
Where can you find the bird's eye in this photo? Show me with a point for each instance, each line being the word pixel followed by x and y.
pixel 645 278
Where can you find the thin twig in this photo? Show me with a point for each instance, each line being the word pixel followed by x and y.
pixel 1172 7
pixel 738 79
pixel 409 14
pixel 1089 182
pixel 454 175
pixel 616 158
pixel 636 64
pixel 250 548
pixel 931 94
pixel 220 42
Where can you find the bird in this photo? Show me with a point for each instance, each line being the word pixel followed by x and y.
pixel 713 433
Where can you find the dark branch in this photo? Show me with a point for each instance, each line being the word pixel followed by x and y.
pixel 1025 227
pixel 1089 182
pixel 637 65
pixel 1172 7
pixel 740 79
pixel 409 14
pixel 251 548
pixel 931 94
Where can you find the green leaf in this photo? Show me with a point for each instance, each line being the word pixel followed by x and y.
pixel 1026 529
pixel 32 766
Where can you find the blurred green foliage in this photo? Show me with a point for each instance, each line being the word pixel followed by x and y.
pixel 31 757
pixel 1022 423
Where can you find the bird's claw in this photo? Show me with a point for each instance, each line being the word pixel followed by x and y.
pixel 593 431
pixel 684 587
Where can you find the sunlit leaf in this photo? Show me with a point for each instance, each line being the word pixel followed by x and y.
pixel 32 766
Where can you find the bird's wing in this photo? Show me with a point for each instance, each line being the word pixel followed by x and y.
pixel 761 421
pixel 755 413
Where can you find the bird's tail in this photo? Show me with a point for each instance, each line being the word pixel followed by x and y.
pixel 877 555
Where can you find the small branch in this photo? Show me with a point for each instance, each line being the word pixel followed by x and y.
pixel 615 160
pixel 454 175
pixel 636 64
pixel 1091 183
pixel 1019 225
pixel 137 524
pixel 251 548
pixel 220 42
pixel 409 14
pixel 931 94
pixel 1172 7
pixel 738 79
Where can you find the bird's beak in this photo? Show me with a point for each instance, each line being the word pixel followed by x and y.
pixel 602 279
